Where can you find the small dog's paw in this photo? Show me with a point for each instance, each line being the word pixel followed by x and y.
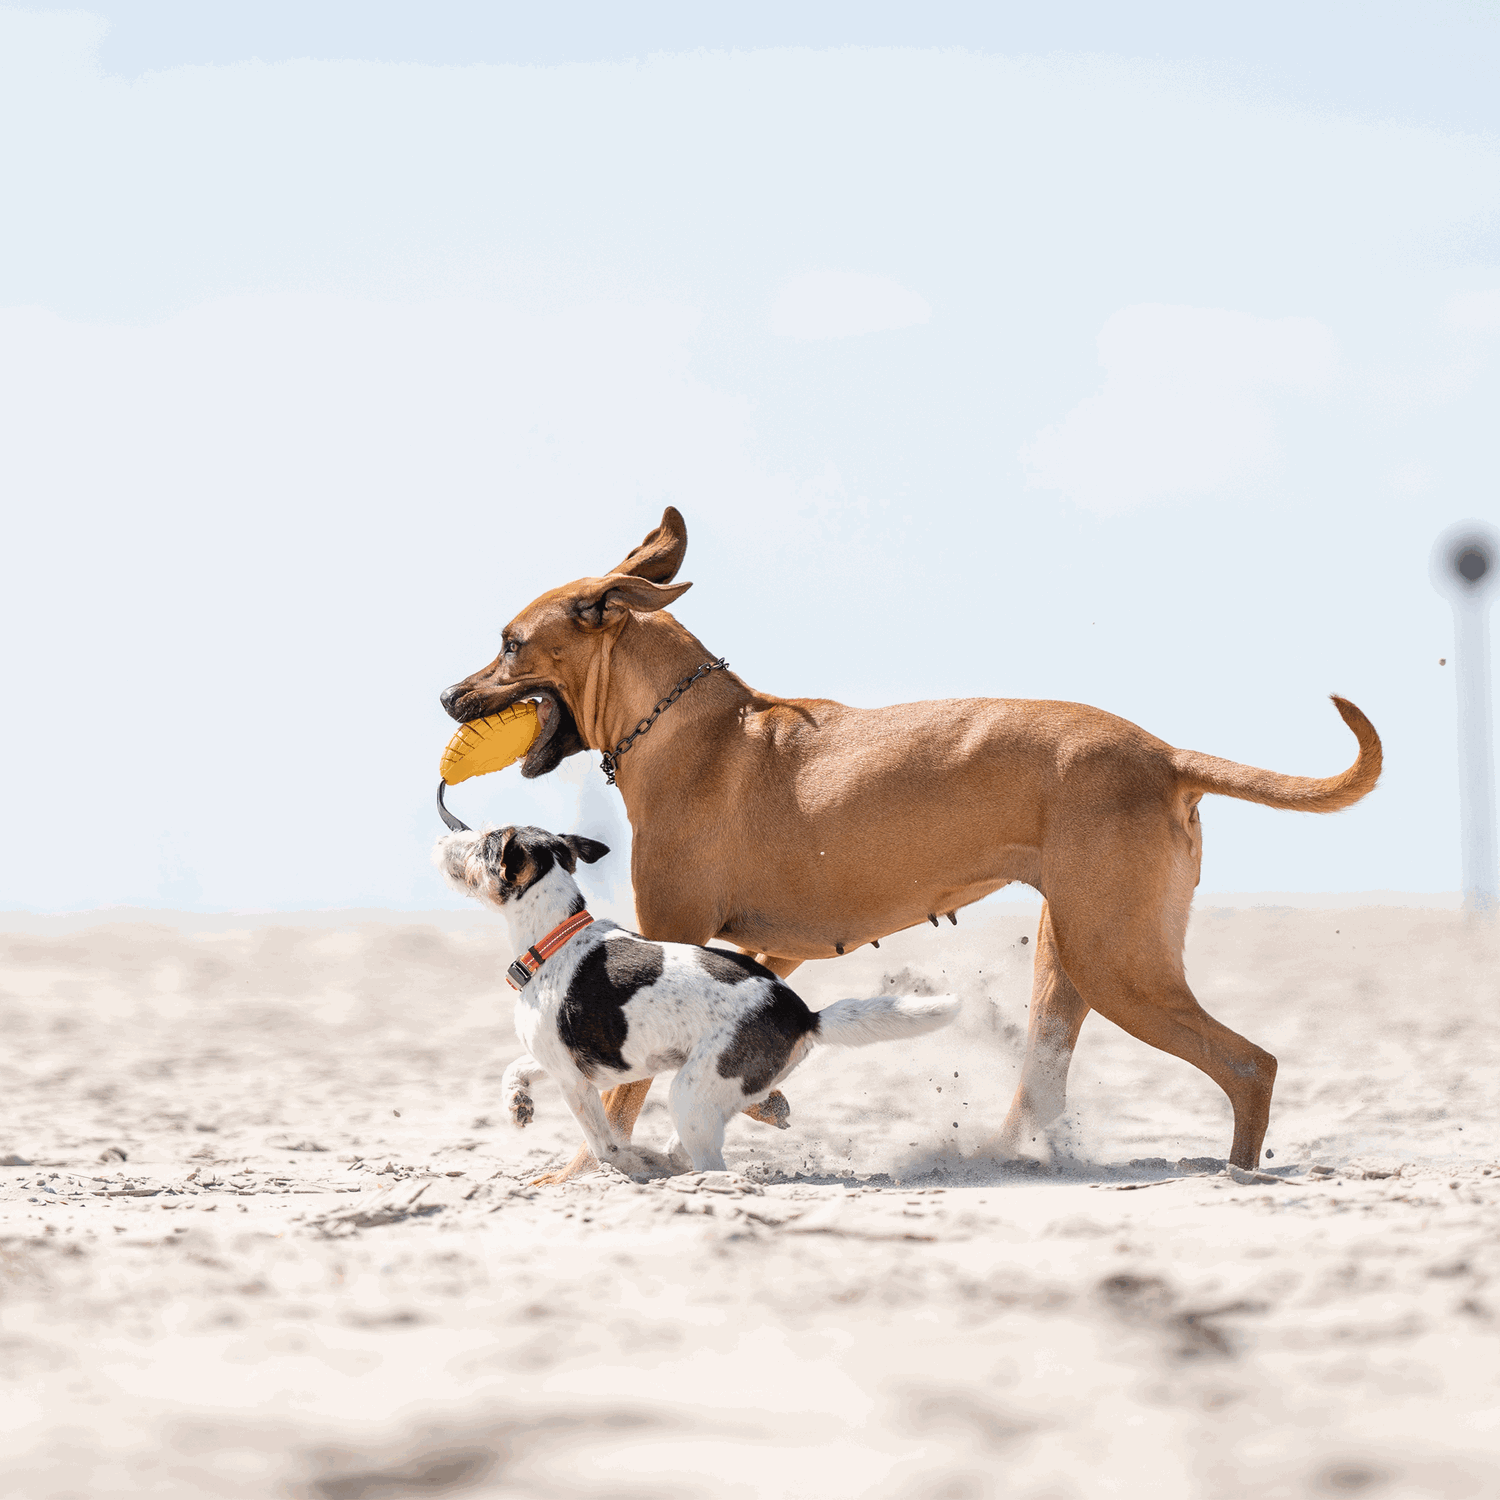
pixel 522 1109
pixel 639 1161
pixel 772 1110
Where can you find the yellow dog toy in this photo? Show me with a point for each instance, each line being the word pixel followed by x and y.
pixel 485 745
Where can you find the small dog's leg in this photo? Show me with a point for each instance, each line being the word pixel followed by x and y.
pixel 588 1110
pixel 515 1089
pixel 772 1110
pixel 700 1118
pixel 583 1099
pixel 775 1109
pixel 621 1105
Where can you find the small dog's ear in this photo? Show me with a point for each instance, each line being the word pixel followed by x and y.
pixel 590 851
pixel 502 855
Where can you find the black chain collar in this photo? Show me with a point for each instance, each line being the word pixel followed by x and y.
pixel 607 765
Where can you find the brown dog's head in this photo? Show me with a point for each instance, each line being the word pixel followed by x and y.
pixel 544 651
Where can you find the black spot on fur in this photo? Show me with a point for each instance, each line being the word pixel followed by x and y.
pixel 732 968
pixel 520 857
pixel 591 1021
pixel 764 1039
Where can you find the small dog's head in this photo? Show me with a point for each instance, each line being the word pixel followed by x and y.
pixel 499 865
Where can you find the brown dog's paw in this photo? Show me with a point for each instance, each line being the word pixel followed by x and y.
pixel 583 1162
pixel 772 1110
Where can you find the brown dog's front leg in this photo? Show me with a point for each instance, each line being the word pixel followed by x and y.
pixel 621 1106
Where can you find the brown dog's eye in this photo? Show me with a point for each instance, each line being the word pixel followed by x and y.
pixel 509 648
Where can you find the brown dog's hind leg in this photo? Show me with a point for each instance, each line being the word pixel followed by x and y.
pixel 1123 950
pixel 1057 1014
pixel 1170 1018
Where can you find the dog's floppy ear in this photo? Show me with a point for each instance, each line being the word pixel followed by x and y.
pixel 502 855
pixel 590 851
pixel 660 555
pixel 598 602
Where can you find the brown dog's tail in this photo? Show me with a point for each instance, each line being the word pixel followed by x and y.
pixel 1207 773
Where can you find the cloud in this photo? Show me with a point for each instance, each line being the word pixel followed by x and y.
pixel 1185 409
pixel 839 304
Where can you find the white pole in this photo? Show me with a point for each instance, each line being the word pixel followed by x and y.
pixel 1465 568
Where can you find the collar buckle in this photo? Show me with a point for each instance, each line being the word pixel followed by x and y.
pixel 524 969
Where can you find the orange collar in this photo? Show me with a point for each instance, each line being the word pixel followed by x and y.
pixel 518 976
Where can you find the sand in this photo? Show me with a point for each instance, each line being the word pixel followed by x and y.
pixel 270 1234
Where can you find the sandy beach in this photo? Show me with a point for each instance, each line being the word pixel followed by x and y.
pixel 865 452
pixel 265 1231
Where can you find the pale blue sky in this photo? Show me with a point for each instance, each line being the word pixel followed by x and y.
pixel 1123 355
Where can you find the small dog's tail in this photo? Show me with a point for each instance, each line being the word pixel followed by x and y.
pixel 1207 773
pixel 886 1018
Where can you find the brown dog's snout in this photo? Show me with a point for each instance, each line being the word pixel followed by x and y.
pixel 451 697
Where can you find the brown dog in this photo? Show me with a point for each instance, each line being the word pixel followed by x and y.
pixel 799 828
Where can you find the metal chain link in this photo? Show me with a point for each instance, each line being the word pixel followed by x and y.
pixel 607 764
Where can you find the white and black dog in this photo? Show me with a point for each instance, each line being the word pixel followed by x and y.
pixel 600 1006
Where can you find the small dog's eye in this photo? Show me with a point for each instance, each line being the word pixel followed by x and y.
pixel 510 648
